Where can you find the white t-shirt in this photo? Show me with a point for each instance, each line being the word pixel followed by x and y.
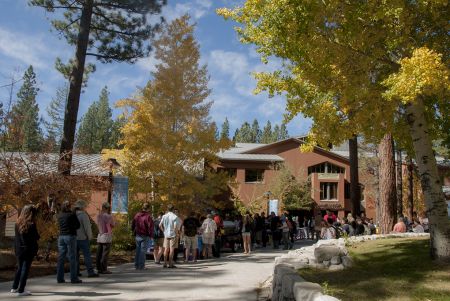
pixel 418 229
pixel 170 223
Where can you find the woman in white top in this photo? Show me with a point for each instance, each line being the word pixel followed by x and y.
pixel 208 230
pixel 327 231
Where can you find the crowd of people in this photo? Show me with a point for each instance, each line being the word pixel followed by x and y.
pixel 201 237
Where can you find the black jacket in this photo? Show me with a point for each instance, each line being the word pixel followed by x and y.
pixel 68 223
pixel 26 244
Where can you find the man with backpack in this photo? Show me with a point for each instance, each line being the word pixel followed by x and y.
pixel 142 227
pixel 190 229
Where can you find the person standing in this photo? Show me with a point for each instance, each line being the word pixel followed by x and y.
pixel 142 227
pixel 67 243
pixel 168 225
pixel 218 237
pixel 247 225
pixel 84 236
pixel 318 225
pixel 208 230
pixel 158 236
pixel 190 228
pixel 26 248
pixel 105 224
pixel 275 223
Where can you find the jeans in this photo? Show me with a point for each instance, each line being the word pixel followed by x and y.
pixel 141 249
pixel 102 256
pixel 67 247
pixel 286 241
pixel 216 247
pixel 85 247
pixel 23 268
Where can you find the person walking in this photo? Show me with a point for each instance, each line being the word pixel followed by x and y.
pixel 275 223
pixel 26 248
pixel 158 237
pixel 247 226
pixel 190 228
pixel 208 230
pixel 84 236
pixel 67 243
pixel 105 224
pixel 169 226
pixel 142 227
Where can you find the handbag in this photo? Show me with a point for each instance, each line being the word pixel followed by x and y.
pixel 104 238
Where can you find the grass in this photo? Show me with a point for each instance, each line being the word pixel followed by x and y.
pixel 388 269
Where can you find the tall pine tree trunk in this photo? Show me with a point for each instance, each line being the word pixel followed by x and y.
pixel 410 191
pixel 76 80
pixel 388 194
pixel 399 177
pixel 435 204
pixel 354 179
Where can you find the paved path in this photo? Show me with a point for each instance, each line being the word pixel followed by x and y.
pixel 232 277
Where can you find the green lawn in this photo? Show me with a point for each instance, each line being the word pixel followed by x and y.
pixel 388 269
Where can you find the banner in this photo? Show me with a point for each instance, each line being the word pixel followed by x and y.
pixel 120 195
pixel 273 206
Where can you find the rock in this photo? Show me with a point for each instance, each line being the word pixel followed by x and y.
pixel 288 282
pixel 335 260
pixel 338 267
pixel 347 261
pixel 326 263
pixel 326 252
pixel 325 298
pixel 307 291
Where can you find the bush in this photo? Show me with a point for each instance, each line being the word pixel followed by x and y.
pixel 123 238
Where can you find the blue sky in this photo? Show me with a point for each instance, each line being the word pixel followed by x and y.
pixel 25 38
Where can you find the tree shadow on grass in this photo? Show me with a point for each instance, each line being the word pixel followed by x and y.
pixel 388 269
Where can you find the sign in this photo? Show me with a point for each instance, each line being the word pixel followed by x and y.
pixel 120 195
pixel 328 176
pixel 273 206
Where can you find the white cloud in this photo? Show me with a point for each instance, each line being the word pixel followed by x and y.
pixel 196 9
pixel 28 49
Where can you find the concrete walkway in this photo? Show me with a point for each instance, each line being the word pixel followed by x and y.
pixel 232 277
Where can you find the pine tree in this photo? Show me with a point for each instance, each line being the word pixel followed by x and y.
pixel 266 136
pixel 225 132
pixel 256 132
pixel 55 111
pixel 24 130
pixel 96 126
pixel 169 130
pixel 245 134
pixel 283 132
pixel 276 133
pixel 113 30
pixel 236 135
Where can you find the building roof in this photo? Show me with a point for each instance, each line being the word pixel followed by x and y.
pixel 230 156
pixel 82 164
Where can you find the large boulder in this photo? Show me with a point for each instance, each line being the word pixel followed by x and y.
pixel 326 252
pixel 307 291
pixel 347 261
pixel 288 282
pixel 335 260
pixel 338 267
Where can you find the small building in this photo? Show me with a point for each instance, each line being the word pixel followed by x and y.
pixel 255 166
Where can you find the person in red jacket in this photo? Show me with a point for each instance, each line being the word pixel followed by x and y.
pixel 142 227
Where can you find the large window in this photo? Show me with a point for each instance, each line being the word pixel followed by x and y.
pixel 325 167
pixel 328 191
pixel 254 175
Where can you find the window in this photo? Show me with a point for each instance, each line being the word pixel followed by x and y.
pixel 325 167
pixel 254 175
pixel 328 191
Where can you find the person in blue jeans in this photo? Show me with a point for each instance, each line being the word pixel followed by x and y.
pixel 67 243
pixel 26 247
pixel 142 227
pixel 84 235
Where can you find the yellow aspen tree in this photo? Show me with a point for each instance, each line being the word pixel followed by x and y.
pixel 337 58
pixel 169 137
